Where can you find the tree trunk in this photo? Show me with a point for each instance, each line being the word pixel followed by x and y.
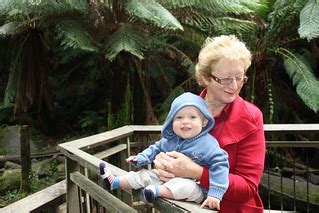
pixel 33 88
pixel 25 153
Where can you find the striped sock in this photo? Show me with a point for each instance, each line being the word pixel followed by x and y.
pixel 110 181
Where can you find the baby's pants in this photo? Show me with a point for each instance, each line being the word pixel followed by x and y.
pixel 181 188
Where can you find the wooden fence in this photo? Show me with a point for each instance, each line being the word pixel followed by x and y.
pixel 84 192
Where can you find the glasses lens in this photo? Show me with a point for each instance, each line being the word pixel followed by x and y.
pixel 226 81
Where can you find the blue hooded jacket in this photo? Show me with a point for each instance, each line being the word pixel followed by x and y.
pixel 202 149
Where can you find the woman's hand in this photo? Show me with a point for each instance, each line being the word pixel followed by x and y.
pixel 175 164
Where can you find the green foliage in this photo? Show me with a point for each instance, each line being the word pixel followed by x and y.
pixel 309 20
pixel 217 6
pixel 73 35
pixel 151 11
pixel 302 76
pixel 126 39
pixel 166 105
pixel 91 119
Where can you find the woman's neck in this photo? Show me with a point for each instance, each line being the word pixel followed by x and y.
pixel 214 107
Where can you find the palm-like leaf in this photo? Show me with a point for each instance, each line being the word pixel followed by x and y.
pixel 303 79
pixel 126 39
pixel 73 35
pixel 10 28
pixel 216 6
pixel 152 11
pixel 309 20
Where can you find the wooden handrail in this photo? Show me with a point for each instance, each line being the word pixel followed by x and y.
pixel 76 152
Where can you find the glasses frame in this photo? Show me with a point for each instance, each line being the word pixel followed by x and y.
pixel 220 80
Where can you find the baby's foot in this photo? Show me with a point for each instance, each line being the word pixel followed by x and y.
pixel 150 193
pixel 106 175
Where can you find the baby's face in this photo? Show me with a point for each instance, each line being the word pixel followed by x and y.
pixel 188 122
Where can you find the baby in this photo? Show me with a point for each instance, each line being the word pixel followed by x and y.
pixel 186 130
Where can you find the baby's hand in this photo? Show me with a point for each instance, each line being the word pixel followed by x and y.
pixel 212 203
pixel 131 159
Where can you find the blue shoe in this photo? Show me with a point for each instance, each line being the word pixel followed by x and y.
pixel 148 196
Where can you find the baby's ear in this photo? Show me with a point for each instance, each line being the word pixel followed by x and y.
pixel 205 122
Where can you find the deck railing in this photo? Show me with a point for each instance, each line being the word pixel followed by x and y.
pixel 85 194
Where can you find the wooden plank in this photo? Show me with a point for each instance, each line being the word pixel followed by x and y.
pixel 111 151
pixel 106 199
pixel 38 200
pixel 291 128
pixel 286 128
pixel 281 144
pixel 89 161
pixel 100 139
pixel 184 206
pixel 72 196
pixel 147 128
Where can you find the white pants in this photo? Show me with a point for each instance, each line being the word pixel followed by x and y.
pixel 181 188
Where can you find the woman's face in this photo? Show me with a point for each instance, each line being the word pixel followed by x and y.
pixel 225 68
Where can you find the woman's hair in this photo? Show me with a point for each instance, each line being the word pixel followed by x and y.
pixel 214 49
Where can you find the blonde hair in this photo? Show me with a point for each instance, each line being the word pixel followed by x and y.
pixel 214 49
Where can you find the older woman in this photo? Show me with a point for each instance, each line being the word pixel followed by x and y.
pixel 221 69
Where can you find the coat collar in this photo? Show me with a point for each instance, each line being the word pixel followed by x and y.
pixel 235 122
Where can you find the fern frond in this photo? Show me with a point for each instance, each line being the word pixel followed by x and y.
pixel 126 39
pixel 10 28
pixel 218 6
pixel 74 36
pixel 27 9
pixel 298 69
pixel 284 13
pixel 309 20
pixel 35 13
pixel 233 24
pixel 151 11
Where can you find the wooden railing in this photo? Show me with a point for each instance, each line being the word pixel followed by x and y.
pixel 85 194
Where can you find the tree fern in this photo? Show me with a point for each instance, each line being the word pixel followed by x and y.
pixel 309 20
pixel 11 28
pixel 126 39
pixel 283 14
pixel 222 6
pixel 152 11
pixel 73 35
pixel 303 79
pixel 24 10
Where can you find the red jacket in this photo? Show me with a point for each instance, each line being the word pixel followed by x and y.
pixel 239 131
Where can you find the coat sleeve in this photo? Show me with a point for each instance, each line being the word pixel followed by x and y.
pixel 243 183
pixel 148 155
pixel 218 170
pixel 246 175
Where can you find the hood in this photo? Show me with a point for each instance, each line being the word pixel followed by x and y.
pixel 187 99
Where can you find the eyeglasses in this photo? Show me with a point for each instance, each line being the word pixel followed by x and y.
pixel 227 81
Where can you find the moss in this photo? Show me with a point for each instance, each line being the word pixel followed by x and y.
pixel 122 116
pixel 10 180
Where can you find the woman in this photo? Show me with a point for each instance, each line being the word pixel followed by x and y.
pixel 221 69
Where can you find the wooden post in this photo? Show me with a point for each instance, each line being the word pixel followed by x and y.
pixel 25 160
pixel 72 191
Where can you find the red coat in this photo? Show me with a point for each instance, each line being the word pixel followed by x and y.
pixel 239 131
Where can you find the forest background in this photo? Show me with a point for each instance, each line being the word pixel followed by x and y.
pixel 85 66
pixel 73 68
